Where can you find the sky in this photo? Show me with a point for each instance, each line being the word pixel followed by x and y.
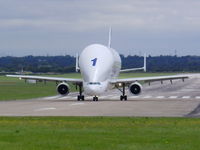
pixel 65 27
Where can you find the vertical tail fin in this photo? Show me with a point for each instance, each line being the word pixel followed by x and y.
pixel 110 37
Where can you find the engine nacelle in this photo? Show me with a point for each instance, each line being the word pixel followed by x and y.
pixel 135 88
pixel 63 89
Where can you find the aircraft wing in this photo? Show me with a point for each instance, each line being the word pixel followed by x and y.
pixel 149 79
pixel 41 78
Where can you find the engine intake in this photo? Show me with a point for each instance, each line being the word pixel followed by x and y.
pixel 63 89
pixel 135 88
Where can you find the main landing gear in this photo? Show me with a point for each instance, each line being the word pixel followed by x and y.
pixel 80 96
pixel 123 96
pixel 95 98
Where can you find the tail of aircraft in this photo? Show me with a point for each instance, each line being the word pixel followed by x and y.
pixel 110 37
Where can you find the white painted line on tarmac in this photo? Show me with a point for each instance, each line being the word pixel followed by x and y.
pixel 115 97
pixel 43 109
pixel 102 97
pixel 186 97
pixel 159 97
pixel 73 98
pixel 133 97
pixel 171 97
pixel 147 96
pixel 64 97
pixel 52 97
pixel 109 95
pixel 197 97
pixel 67 98
pixel 89 97
pixel 74 104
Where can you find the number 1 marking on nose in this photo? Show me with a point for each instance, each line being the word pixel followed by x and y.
pixel 94 61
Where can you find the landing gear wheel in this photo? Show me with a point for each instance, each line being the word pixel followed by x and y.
pixel 80 97
pixel 123 97
pixel 95 98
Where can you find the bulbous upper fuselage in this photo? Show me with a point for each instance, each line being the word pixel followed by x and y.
pixel 98 63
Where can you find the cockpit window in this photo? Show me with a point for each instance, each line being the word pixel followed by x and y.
pixel 94 83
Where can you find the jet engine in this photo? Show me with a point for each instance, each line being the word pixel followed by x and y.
pixel 135 88
pixel 63 88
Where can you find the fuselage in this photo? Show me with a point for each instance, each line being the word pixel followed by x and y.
pixel 98 65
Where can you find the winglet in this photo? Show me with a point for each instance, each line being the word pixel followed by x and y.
pixel 145 62
pixel 110 37
pixel 134 69
pixel 77 62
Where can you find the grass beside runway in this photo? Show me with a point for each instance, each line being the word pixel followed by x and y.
pixel 99 133
pixel 13 88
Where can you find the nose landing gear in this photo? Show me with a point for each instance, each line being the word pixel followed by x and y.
pixel 95 98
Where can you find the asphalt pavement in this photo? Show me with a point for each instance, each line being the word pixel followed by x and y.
pixel 180 99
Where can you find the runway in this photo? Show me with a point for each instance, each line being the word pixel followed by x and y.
pixel 180 99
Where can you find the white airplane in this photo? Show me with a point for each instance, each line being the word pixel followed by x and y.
pixel 100 66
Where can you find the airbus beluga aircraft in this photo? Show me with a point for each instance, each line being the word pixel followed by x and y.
pixel 100 66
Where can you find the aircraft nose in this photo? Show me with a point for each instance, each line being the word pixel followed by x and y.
pixel 94 90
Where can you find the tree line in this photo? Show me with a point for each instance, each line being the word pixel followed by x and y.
pixel 64 64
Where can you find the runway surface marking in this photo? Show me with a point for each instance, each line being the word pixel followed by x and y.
pixel 160 97
pixel 114 97
pixel 44 109
pixel 74 104
pixel 148 96
pixel 173 97
pixel 133 97
pixel 186 97
pixel 53 97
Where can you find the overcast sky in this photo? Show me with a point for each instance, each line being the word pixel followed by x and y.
pixel 59 27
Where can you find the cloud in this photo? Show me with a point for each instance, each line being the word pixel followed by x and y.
pixel 87 14
pixel 28 20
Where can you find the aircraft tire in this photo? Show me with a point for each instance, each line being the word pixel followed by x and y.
pixel 82 97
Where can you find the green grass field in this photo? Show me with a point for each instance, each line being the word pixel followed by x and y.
pixel 99 133
pixel 13 88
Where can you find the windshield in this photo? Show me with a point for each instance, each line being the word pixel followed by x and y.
pixel 94 83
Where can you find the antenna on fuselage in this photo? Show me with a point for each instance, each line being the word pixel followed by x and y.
pixel 110 37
